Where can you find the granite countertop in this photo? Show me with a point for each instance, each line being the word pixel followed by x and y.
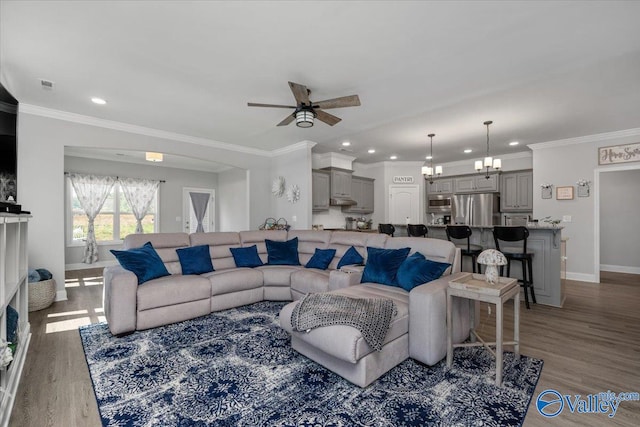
pixel 537 227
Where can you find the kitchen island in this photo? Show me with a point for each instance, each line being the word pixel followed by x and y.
pixel 543 241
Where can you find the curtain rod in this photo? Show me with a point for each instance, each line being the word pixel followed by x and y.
pixel 117 177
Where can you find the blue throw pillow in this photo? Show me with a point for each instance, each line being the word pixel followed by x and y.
pixel 282 253
pixel 382 265
pixel 12 324
pixel 417 270
pixel 246 257
pixel 195 259
pixel 44 273
pixel 321 259
pixel 350 257
pixel 144 262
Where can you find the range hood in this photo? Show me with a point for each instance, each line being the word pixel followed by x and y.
pixel 339 201
pixel 342 165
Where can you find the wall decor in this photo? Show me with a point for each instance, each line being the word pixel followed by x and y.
pixel 583 187
pixel 546 191
pixel 564 193
pixel 403 179
pixel 619 154
pixel 293 193
pixel 277 186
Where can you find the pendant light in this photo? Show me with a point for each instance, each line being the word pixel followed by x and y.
pixel 428 171
pixel 489 162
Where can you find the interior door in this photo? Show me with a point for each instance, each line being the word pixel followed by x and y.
pixel 189 213
pixel 404 204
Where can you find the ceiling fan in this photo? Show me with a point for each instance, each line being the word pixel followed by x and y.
pixel 305 110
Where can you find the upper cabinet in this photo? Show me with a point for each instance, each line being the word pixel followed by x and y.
pixel 440 186
pixel 362 193
pixel 476 184
pixel 340 183
pixel 321 187
pixel 517 192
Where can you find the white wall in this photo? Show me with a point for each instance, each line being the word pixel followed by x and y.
pixel 170 193
pixel 619 221
pixel 233 190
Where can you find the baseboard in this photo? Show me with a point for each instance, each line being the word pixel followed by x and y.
pixel 582 277
pixel 61 295
pixel 620 269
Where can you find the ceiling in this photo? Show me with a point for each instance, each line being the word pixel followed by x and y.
pixel 542 71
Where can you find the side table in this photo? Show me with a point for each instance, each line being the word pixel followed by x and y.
pixel 473 287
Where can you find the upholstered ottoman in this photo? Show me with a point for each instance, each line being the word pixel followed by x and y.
pixel 343 350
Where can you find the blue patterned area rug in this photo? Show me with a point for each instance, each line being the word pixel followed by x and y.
pixel 236 368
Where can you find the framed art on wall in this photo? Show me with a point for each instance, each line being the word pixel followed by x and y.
pixel 564 193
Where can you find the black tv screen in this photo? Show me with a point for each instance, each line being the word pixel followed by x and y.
pixel 8 146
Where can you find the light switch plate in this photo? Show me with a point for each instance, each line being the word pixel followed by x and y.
pixel 566 218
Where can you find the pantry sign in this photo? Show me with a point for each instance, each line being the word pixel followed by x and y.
pixel 403 179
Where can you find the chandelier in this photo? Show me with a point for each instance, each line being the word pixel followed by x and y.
pixel 489 162
pixel 427 170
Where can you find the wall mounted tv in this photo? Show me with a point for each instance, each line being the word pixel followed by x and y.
pixel 8 146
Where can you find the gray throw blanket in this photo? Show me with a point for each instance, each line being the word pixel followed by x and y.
pixel 371 316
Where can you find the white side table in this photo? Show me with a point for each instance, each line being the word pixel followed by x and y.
pixel 473 287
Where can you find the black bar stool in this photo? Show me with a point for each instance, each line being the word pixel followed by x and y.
pixel 517 253
pixel 460 232
pixel 387 229
pixel 417 230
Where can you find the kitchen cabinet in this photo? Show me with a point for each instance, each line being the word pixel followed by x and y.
pixel 14 292
pixel 340 183
pixel 440 186
pixel 362 193
pixel 476 184
pixel 517 192
pixel 321 187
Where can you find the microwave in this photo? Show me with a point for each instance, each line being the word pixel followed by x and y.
pixel 439 203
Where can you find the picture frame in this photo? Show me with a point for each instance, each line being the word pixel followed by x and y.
pixel 564 193
pixel 615 154
pixel 546 193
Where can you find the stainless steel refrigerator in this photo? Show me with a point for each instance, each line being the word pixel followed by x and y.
pixel 476 209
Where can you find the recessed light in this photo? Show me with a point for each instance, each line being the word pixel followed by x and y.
pixel 98 101
pixel 346 144
pixel 514 143
pixel 428 157
pixel 393 157
pixel 371 151
pixel 468 150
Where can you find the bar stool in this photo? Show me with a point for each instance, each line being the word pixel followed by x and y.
pixel 417 230
pixel 513 235
pixel 460 232
pixel 387 229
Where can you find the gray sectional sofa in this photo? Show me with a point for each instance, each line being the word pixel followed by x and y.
pixel 418 330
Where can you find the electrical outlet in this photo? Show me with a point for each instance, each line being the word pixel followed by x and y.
pixel 294 218
pixel 566 218
pixel 178 219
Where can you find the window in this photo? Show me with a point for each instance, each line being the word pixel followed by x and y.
pixel 115 220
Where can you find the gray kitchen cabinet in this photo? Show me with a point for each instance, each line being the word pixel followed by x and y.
pixel 362 193
pixel 517 192
pixel 476 184
pixel 440 186
pixel 340 183
pixel 321 185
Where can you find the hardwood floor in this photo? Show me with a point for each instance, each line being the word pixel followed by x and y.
pixel 591 345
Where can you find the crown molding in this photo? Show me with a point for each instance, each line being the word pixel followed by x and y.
pixel 135 129
pixel 586 139
pixel 333 154
pixel 302 145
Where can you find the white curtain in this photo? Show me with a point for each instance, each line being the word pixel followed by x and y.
pixel 92 191
pixel 139 194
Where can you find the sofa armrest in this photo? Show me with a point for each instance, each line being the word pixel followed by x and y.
pixel 349 275
pixel 120 299
pixel 428 320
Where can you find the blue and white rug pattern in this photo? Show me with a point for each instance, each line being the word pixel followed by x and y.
pixel 236 368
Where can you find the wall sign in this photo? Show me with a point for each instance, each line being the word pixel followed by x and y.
pixel 403 179
pixel 619 154
pixel 564 193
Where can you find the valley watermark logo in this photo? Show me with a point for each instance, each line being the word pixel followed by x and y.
pixel 551 403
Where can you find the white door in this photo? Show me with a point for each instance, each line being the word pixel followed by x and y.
pixel 190 221
pixel 404 204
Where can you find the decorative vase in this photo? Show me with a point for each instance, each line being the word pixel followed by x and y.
pixel 491 274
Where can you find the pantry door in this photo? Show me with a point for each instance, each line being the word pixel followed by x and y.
pixel 404 204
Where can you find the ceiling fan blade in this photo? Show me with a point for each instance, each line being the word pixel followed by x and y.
pixel 344 101
pixel 254 104
pixel 287 120
pixel 300 93
pixel 329 119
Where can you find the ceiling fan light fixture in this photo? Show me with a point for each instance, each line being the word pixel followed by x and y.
pixel 304 118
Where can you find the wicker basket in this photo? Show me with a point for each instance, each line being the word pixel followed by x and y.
pixel 41 294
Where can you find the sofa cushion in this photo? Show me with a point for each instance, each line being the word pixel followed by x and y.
pixel 278 275
pixel 309 241
pixel 165 244
pixel 321 259
pixel 234 280
pixel 172 290
pixel 219 243
pixel 382 265
pixel 282 253
pixel 195 260
pixel 350 257
pixel 416 270
pixel 246 257
pixel 310 280
pixel 144 262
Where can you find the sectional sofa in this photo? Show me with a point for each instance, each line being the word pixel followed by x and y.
pixel 418 330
